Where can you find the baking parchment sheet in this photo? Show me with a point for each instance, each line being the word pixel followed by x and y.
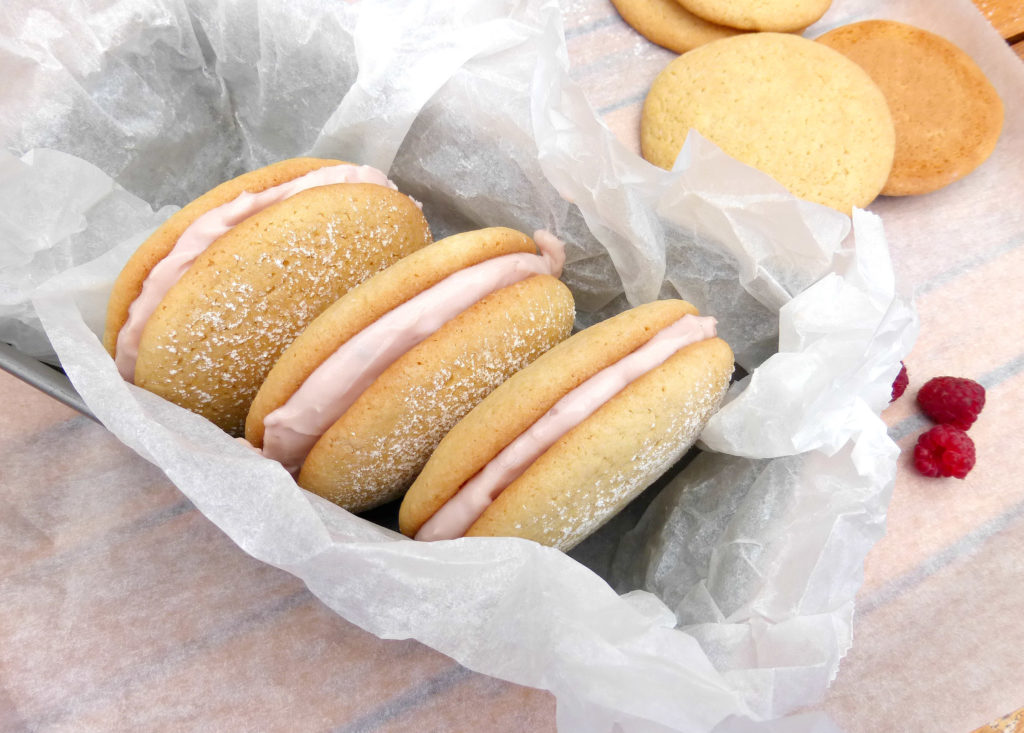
pixel 471 108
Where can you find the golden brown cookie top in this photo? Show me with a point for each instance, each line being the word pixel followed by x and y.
pixel 946 113
pixel 129 282
pixel 219 330
pixel 795 109
pixel 599 466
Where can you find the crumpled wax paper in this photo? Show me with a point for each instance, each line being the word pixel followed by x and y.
pixel 470 107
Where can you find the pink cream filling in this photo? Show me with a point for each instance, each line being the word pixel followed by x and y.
pixel 459 513
pixel 291 430
pixel 203 232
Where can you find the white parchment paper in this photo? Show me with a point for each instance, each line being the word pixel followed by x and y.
pixel 732 598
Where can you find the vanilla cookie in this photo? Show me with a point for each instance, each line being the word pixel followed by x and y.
pixel 563 445
pixel 802 113
pixel 947 114
pixel 212 314
pixel 759 15
pixel 669 24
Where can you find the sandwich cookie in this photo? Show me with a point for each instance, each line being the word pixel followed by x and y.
pixel 206 305
pixel 359 400
pixel 563 445
pixel 804 114
pixel 947 114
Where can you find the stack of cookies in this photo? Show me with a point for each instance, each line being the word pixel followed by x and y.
pixel 871 108
pixel 305 306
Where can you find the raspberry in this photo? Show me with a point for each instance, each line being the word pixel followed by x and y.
pixel 899 385
pixel 944 451
pixel 952 400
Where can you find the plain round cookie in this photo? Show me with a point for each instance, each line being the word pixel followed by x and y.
pixel 518 403
pixel 220 329
pixel 793 108
pixel 128 284
pixel 367 302
pixel 374 451
pixel 759 15
pixel 947 114
pixel 669 24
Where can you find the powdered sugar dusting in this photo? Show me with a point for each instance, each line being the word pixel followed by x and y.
pixel 236 312
pixel 582 509
pixel 387 461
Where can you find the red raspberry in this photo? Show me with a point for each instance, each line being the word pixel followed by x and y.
pixel 899 385
pixel 952 400
pixel 944 451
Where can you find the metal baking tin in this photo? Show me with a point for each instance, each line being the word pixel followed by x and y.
pixel 44 377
